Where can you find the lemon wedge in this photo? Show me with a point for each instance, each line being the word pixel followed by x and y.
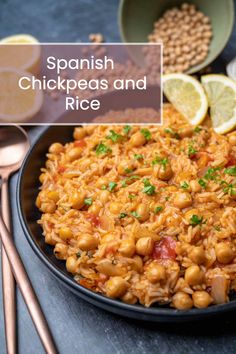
pixel 20 51
pixel 221 94
pixel 17 105
pixel 187 96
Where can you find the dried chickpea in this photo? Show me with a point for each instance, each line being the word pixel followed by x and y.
pixel 197 255
pixel 137 139
pixel 144 246
pixel 116 287
pixel 201 299
pixel 53 195
pixel 129 298
pixel 182 301
pixel 56 148
pixel 71 264
pixel 79 133
pixel 155 272
pixel 65 233
pixel 60 251
pixel 77 199
pixel 182 200
pixel 224 253
pixel 163 172
pixel 104 196
pixel 127 247
pixel 143 212
pixel 74 153
pixel 193 275
pixel 87 242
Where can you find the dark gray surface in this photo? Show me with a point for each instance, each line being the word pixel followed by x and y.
pixel 79 327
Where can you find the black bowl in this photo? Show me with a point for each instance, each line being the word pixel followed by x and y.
pixel 27 191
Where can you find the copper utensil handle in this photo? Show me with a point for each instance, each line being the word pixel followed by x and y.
pixel 8 281
pixel 27 290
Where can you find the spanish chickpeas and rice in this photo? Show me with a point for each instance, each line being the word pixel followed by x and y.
pixel 145 214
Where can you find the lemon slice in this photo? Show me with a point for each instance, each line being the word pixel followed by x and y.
pixel 20 51
pixel 17 105
pixel 187 96
pixel 221 93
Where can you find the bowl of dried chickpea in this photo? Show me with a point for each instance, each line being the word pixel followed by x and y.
pixel 193 33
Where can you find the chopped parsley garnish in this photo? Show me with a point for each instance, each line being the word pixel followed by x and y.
pixel 172 133
pixel 113 136
pixel 131 196
pixel 158 209
pixel 197 129
pixel 191 151
pixel 149 189
pixel 211 173
pixel 128 170
pixel 135 214
pixel 231 171
pixel 138 156
pixel 184 185
pixel 196 220
pixel 102 149
pixel 202 183
pixel 112 186
pixel 229 188
pixel 167 198
pixel 122 215
pixel 127 129
pixel 160 161
pixel 217 227
pixel 103 187
pixel 146 133
pixel 88 201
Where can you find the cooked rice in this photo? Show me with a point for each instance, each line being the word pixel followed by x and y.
pixel 114 177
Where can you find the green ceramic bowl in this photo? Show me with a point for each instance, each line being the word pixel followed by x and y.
pixel 136 18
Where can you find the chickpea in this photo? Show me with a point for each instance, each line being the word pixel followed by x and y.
pixel 197 255
pixel 77 199
pixel 48 207
pixel 137 264
pixel 193 275
pixel 65 233
pixel 224 253
pixel 137 139
pixel 53 195
pixel 56 148
pixel 90 129
pixel 94 209
pixel 79 133
pixel 188 215
pixel 106 267
pixel 102 181
pixel 42 177
pixel 115 207
pixel 201 299
pixel 182 301
pixel 60 251
pixel 104 196
pixel 186 131
pixel 116 287
pixel 144 246
pixel 182 200
pixel 87 242
pixel 49 239
pixel 155 272
pixel 124 167
pixel 71 264
pixel 129 298
pixel 195 186
pixel 232 139
pixel 163 172
pixel 74 153
pixel 127 247
pixel 143 211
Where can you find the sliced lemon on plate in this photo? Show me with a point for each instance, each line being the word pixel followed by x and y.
pixel 221 94
pixel 17 105
pixel 187 96
pixel 20 51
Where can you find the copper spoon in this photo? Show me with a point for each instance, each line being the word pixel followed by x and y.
pixel 14 145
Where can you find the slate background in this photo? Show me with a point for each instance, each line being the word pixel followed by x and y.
pixel 77 326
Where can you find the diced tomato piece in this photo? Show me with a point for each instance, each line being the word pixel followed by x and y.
pixel 94 219
pixel 231 161
pixel 80 143
pixel 165 248
pixel 61 169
